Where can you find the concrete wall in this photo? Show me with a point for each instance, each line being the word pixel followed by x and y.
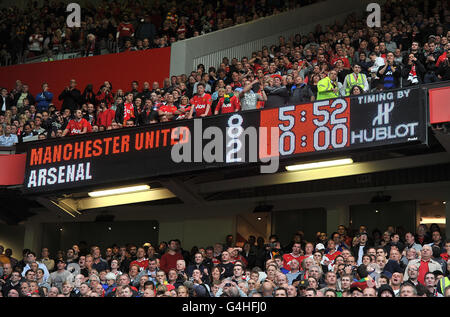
pixel 197 232
pixel 242 40
pixel 13 237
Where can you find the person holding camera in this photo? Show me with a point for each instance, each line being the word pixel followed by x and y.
pixel 413 71
pixel 390 73
pixel 443 71
pixel 106 95
pixel 71 97
pixel 249 96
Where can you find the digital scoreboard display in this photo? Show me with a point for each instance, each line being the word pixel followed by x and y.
pixel 327 126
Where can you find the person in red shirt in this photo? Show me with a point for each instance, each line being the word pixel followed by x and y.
pixel 105 95
pixel 105 116
pixel 445 255
pixel 235 256
pixel 76 126
pixel 309 250
pixel 168 111
pixel 184 107
pixel 331 253
pixel 296 248
pixel 126 111
pixel 201 103
pixel 170 258
pixel 228 104
pixel 125 29
pixel 141 260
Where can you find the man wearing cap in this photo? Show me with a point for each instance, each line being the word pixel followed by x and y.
pixel 385 291
pixel 110 283
pixel 355 79
pixel 328 87
pixel 356 292
pixel 56 279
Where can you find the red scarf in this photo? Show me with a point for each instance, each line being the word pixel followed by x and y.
pixel 128 112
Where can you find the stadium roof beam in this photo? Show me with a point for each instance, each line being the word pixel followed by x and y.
pixel 330 172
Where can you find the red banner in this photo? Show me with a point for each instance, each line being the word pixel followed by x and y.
pixel 439 109
pixel 120 69
pixel 13 169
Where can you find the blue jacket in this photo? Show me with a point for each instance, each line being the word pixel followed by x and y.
pixel 43 99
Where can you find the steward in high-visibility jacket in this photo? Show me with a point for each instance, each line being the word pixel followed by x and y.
pixel 328 87
pixel 355 79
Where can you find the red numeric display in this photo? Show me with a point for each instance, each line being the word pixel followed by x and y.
pixel 319 126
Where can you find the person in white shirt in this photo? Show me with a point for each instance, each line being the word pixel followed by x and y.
pixel 8 139
pixel 31 258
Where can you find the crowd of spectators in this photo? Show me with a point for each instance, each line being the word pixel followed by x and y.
pixel 410 48
pixel 124 25
pixel 394 263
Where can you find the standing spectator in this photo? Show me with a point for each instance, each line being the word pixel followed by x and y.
pixel 106 95
pixel 168 111
pixel 355 79
pixel 425 264
pixel 71 97
pixel 49 263
pixel 5 101
pixel 105 116
pixel 148 114
pixel 390 73
pixel 277 94
pixel 249 97
pixel 125 30
pixel 21 96
pixel 90 116
pixel 300 92
pixel 31 258
pixel 61 275
pixel 126 111
pixel 170 258
pixel 227 104
pixel 432 55
pixel 44 98
pixel 92 46
pixel 146 29
pixel 413 71
pixel 141 261
pixel 200 103
pixel 88 95
pixel 76 126
pixel 35 42
pixel 328 87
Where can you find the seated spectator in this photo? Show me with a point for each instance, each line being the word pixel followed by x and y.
pixel 8 139
pixel 77 126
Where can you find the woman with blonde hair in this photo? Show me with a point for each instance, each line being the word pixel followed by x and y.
pixel 182 291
